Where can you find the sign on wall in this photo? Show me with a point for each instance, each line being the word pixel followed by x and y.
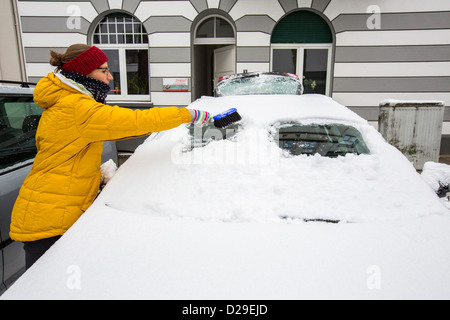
pixel 175 85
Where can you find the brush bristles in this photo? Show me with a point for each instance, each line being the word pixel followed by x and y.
pixel 227 120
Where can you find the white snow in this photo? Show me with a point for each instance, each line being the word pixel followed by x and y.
pixel 248 179
pixel 436 174
pixel 8 89
pixel 107 170
pixel 113 254
pixel 394 102
pixel 206 224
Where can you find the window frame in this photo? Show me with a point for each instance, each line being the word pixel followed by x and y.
pixel 121 48
pixel 123 72
pixel 135 21
pixel 214 40
pixel 301 47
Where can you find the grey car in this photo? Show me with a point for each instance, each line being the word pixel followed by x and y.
pixel 19 118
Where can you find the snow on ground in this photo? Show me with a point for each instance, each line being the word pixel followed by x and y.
pixel 437 175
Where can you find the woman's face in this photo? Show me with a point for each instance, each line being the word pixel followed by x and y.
pixel 101 73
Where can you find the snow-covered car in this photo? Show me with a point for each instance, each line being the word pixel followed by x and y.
pixel 301 199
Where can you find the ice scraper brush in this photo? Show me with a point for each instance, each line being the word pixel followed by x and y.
pixel 226 118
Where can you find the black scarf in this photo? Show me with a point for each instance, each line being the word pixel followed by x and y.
pixel 98 88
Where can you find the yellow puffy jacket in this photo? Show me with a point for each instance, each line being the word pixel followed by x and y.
pixel 65 176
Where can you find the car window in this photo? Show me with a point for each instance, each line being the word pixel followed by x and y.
pixel 201 136
pixel 259 84
pixel 19 118
pixel 329 140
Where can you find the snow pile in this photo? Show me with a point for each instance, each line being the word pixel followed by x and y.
pixel 107 170
pixel 268 109
pixel 436 175
pixel 393 102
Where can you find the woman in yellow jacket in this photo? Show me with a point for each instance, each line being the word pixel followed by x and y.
pixel 65 176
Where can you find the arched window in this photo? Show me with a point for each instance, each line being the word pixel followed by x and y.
pixel 302 43
pixel 124 40
pixel 214 30
pixel 302 27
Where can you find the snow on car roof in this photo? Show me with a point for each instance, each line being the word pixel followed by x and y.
pixel 8 89
pixel 267 109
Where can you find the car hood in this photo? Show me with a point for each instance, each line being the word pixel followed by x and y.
pixel 111 254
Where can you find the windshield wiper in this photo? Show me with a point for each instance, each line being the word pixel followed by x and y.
pixel 250 75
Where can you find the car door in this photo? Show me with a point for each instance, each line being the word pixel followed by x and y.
pixel 19 118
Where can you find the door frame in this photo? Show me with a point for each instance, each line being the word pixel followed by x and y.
pixel 210 42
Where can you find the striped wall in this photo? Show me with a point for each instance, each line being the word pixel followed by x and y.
pixel 408 57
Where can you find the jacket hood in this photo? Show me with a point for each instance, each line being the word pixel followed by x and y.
pixel 53 87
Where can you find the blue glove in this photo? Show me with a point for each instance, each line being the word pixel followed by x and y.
pixel 199 117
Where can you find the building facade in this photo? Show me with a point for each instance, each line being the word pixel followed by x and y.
pixel 12 65
pixel 161 53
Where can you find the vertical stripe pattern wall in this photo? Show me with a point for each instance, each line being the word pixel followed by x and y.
pixel 382 49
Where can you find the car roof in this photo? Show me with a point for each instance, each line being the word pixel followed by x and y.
pixel 15 90
pixel 268 109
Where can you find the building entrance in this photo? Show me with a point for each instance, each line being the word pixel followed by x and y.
pixel 210 63
pixel 214 54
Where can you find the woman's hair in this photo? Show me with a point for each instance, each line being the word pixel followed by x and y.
pixel 58 59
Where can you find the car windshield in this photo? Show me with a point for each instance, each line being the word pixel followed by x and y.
pixel 201 136
pixel 259 84
pixel 329 140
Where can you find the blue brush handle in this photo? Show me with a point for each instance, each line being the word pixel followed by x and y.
pixel 224 114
